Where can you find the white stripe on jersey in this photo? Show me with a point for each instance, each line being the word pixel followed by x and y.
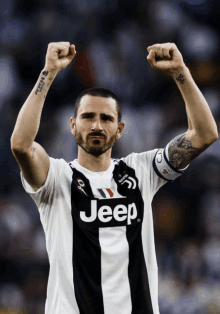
pixel 114 263
pixel 114 260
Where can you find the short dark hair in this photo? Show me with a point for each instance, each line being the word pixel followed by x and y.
pixel 100 92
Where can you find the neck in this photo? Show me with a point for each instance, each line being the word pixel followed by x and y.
pixel 92 163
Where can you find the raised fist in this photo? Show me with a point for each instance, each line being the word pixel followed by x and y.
pixel 165 57
pixel 59 55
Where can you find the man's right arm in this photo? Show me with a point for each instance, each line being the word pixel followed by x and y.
pixel 31 157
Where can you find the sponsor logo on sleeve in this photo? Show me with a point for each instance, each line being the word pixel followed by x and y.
pixel 166 171
pixel 163 168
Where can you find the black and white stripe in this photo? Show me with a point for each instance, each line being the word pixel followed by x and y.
pixel 86 255
pixel 92 247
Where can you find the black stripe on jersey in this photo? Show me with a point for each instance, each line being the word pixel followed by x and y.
pixel 86 272
pixel 137 270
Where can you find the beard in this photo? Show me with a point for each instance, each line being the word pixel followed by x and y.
pixel 97 146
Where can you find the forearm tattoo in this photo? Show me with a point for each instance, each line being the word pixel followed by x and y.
pixel 42 83
pixel 180 78
pixel 33 151
pixel 181 151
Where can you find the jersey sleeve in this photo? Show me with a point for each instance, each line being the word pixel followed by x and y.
pixel 44 194
pixel 155 164
pixel 163 170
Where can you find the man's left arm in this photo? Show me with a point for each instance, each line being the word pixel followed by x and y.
pixel 202 129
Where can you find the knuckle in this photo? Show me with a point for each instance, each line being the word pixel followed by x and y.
pixel 165 51
pixel 65 43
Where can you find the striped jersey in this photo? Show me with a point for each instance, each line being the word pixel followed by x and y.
pixel 99 234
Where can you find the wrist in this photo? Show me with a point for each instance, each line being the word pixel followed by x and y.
pixel 180 70
pixel 49 71
pixel 180 75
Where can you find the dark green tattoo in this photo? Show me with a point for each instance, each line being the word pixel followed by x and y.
pixel 181 151
pixel 42 83
pixel 180 78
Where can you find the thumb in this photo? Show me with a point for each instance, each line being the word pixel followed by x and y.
pixel 71 54
pixel 72 51
pixel 151 59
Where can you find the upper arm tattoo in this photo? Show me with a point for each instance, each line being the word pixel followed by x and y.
pixel 181 151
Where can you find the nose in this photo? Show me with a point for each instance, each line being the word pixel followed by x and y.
pixel 97 126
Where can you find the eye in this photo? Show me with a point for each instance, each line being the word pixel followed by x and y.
pixel 107 118
pixel 88 116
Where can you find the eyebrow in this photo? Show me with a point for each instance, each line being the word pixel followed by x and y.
pixel 92 114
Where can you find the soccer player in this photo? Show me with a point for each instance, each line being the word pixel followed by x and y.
pixel 96 211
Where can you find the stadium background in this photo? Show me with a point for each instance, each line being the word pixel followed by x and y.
pixel 111 38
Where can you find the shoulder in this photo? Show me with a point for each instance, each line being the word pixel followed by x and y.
pixel 155 161
pixel 144 159
pixel 139 162
pixel 58 162
pixel 59 166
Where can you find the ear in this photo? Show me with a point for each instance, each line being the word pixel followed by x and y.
pixel 121 126
pixel 73 125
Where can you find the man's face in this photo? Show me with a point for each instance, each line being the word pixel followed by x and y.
pixel 96 127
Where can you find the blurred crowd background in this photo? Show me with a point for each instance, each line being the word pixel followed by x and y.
pixel 111 38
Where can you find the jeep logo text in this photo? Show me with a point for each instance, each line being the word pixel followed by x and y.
pixel 105 213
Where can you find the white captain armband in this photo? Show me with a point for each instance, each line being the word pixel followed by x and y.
pixel 163 167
